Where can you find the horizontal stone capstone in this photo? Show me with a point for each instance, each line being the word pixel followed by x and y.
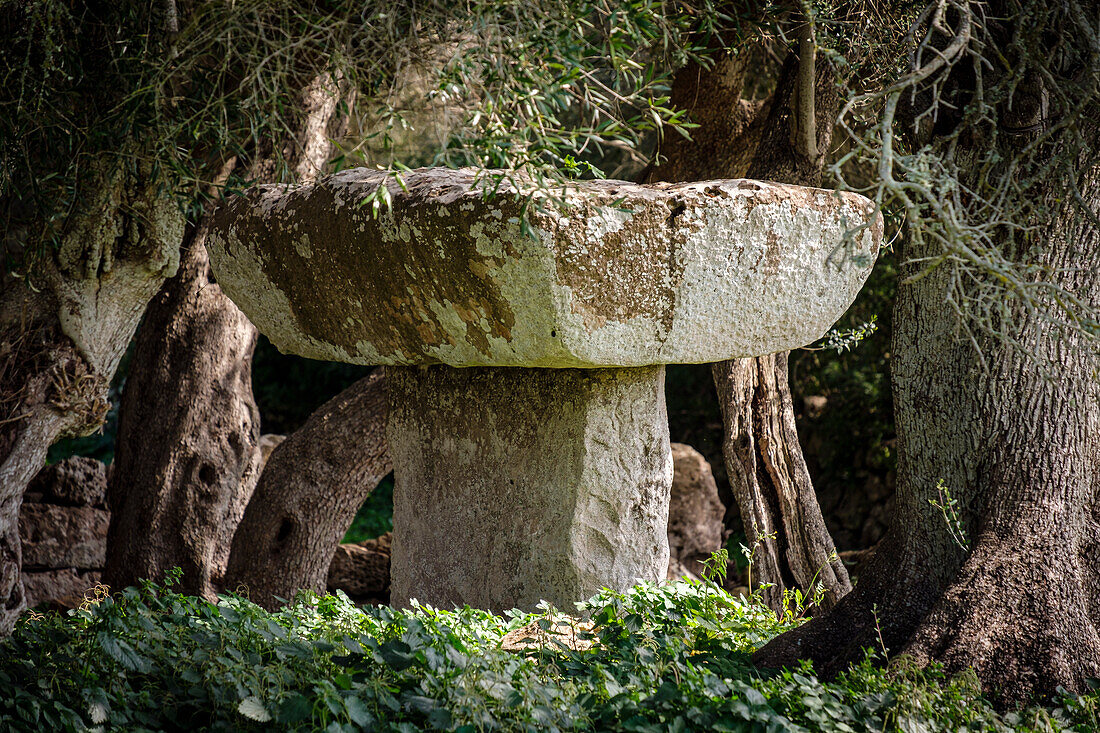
pixel 481 268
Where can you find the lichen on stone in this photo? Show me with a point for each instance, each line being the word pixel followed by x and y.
pixel 615 273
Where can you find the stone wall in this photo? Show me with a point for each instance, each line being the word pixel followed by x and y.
pixel 63 525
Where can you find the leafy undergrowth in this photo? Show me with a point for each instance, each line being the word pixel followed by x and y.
pixel 670 657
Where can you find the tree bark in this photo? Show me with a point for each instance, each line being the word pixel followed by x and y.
pixel 767 471
pixel 933 372
pixel 1020 611
pixel 1017 446
pixel 729 127
pixel 64 326
pixel 771 483
pixel 311 487
pixel 188 455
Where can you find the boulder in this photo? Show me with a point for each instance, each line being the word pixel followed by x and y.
pixel 695 512
pixel 62 588
pixel 362 570
pixel 268 443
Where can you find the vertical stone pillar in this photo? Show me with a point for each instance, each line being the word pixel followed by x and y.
pixel 514 485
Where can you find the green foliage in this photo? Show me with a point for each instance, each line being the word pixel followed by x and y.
pixel 950 510
pixel 852 441
pixel 841 340
pixel 716 567
pixel 673 656
pixel 375 517
pixel 553 80
pixel 173 90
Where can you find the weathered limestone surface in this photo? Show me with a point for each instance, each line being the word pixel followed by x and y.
pixel 75 481
pixel 517 485
pixel 551 481
pixel 625 275
pixel 695 512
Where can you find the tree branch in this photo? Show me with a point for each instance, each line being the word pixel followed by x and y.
pixel 805 113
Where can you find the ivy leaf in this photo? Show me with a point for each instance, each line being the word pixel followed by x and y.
pixel 357 711
pixel 397 654
pixel 97 711
pixel 421 704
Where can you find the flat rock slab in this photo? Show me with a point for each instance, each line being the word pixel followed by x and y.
pixel 621 275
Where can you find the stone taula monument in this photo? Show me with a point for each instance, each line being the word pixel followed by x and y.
pixel 525 332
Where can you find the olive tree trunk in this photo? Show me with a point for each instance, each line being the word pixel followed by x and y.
pixel 768 476
pixel 1017 447
pixel 188 434
pixel 1016 444
pixel 65 322
pixel 939 438
pixel 311 487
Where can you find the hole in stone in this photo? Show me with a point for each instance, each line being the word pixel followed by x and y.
pixel 553 334
pixel 678 208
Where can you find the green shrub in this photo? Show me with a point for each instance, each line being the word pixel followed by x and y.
pixel 666 657
pixel 375 517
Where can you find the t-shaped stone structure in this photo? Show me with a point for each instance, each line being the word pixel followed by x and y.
pixel 541 468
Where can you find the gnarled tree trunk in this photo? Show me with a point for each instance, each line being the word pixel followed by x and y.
pixel 936 413
pixel 309 492
pixel 64 326
pixel 771 483
pixel 1018 448
pixel 1021 610
pixel 764 462
pixel 1016 445
pixel 729 127
pixel 188 455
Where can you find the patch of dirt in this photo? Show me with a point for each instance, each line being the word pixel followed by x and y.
pixel 566 632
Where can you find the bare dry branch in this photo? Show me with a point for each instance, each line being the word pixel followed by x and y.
pixel 805 114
